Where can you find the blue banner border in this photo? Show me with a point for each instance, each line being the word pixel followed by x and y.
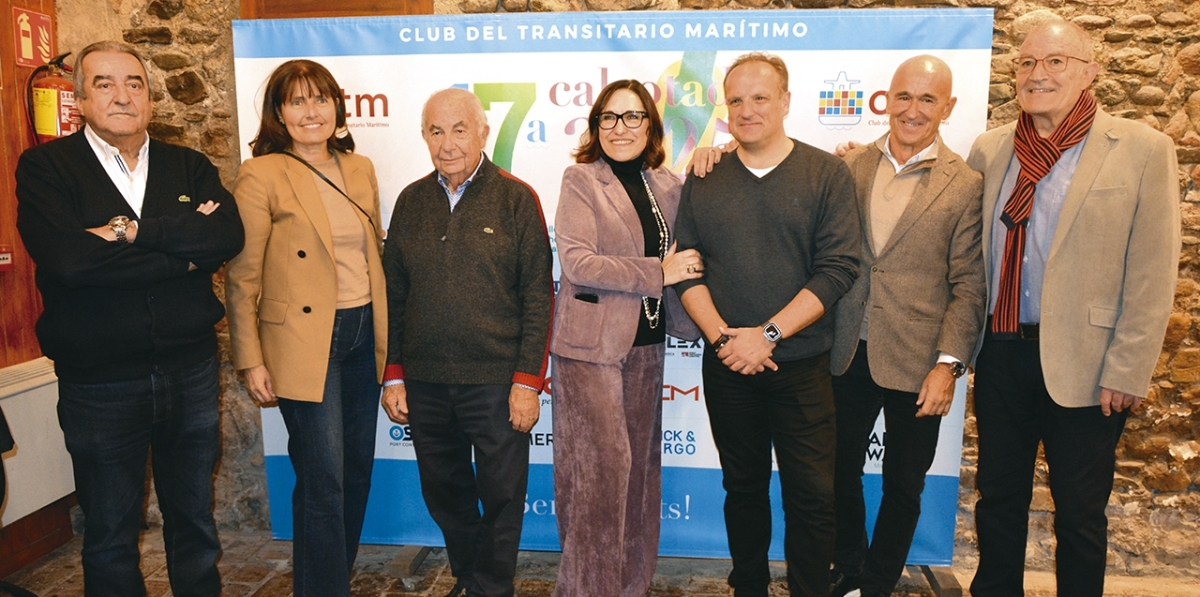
pixel 743 30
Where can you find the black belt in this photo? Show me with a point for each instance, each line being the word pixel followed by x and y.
pixel 1025 331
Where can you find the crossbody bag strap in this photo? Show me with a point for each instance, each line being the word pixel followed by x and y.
pixel 335 187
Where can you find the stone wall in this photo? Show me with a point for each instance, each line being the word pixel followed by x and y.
pixel 1150 50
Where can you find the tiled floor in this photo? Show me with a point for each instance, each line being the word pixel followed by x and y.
pixel 253 565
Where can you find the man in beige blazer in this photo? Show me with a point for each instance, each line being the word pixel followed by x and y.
pixel 905 330
pixel 1073 339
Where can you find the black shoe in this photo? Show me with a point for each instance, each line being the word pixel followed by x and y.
pixel 457 591
pixel 840 584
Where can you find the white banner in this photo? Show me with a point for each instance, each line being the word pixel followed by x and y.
pixel 537 75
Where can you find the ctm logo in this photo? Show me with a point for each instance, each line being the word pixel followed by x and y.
pixel 364 104
pixel 671 392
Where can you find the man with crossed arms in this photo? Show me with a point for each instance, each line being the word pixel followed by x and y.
pixel 1081 249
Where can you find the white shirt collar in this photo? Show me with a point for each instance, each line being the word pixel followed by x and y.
pixel 131 183
pixel 929 153
pixel 104 151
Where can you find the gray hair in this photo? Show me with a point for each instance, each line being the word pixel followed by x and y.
pixel 105 46
pixel 460 95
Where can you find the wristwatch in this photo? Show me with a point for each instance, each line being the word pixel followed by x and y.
pixel 957 369
pixel 771 332
pixel 119 224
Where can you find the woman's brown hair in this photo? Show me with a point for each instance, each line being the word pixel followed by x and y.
pixel 312 79
pixel 589 144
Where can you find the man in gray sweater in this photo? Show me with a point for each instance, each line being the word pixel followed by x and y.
pixel 469 303
pixel 777 224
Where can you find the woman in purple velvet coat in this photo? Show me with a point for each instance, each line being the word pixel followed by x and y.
pixel 613 312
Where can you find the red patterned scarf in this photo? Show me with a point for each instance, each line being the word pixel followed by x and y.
pixel 1036 155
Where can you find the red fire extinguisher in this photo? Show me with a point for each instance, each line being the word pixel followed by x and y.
pixel 50 101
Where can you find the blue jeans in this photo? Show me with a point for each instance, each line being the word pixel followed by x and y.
pixel 332 448
pixel 110 429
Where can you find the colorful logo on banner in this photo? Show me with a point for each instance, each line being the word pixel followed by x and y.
pixel 691 100
pixel 840 106
pixel 688 95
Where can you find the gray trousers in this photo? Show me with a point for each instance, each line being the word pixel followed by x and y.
pixel 608 472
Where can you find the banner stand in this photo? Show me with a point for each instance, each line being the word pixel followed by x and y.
pixel 942 581
pixel 412 556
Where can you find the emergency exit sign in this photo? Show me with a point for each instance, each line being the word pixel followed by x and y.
pixel 33 37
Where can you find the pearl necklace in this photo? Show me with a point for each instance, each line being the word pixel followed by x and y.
pixel 663 232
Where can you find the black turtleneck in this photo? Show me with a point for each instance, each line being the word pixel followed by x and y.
pixel 630 175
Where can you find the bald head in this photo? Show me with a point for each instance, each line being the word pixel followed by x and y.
pixel 919 99
pixel 926 66
pixel 1070 36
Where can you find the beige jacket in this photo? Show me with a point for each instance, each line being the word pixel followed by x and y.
pixel 281 291
pixel 1110 275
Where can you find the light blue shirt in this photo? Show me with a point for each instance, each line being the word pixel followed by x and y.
pixel 1047 205
pixel 456 196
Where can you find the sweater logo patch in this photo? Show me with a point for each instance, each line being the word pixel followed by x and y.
pixel 487 230
pixel 185 199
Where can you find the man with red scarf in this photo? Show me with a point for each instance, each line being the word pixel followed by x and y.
pixel 1081 247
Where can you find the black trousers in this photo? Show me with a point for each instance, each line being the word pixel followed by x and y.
pixel 909 450
pixel 792 410
pixel 447 422
pixel 1014 412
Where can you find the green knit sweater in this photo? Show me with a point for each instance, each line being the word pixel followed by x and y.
pixel 470 292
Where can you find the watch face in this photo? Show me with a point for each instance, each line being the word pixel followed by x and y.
pixel 772 333
pixel 958 369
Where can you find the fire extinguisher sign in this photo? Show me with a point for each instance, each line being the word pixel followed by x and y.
pixel 33 37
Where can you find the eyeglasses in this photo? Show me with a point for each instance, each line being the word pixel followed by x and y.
pixel 1053 64
pixel 632 119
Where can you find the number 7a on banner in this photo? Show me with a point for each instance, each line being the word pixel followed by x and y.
pixel 522 96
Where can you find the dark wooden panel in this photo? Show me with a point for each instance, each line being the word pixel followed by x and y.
pixel 26 540
pixel 20 303
pixel 287 9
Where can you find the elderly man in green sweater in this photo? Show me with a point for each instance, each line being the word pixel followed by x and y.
pixel 470 292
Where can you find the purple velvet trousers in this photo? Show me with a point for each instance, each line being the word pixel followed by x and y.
pixel 608 472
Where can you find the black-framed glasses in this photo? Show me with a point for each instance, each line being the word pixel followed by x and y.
pixel 1055 63
pixel 632 119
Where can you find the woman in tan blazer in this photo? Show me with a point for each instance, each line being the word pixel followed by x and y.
pixel 614 309
pixel 307 316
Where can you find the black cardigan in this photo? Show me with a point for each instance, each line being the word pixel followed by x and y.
pixel 117 312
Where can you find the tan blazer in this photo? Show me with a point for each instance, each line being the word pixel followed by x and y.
pixel 601 250
pixel 927 281
pixel 281 291
pixel 1110 275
